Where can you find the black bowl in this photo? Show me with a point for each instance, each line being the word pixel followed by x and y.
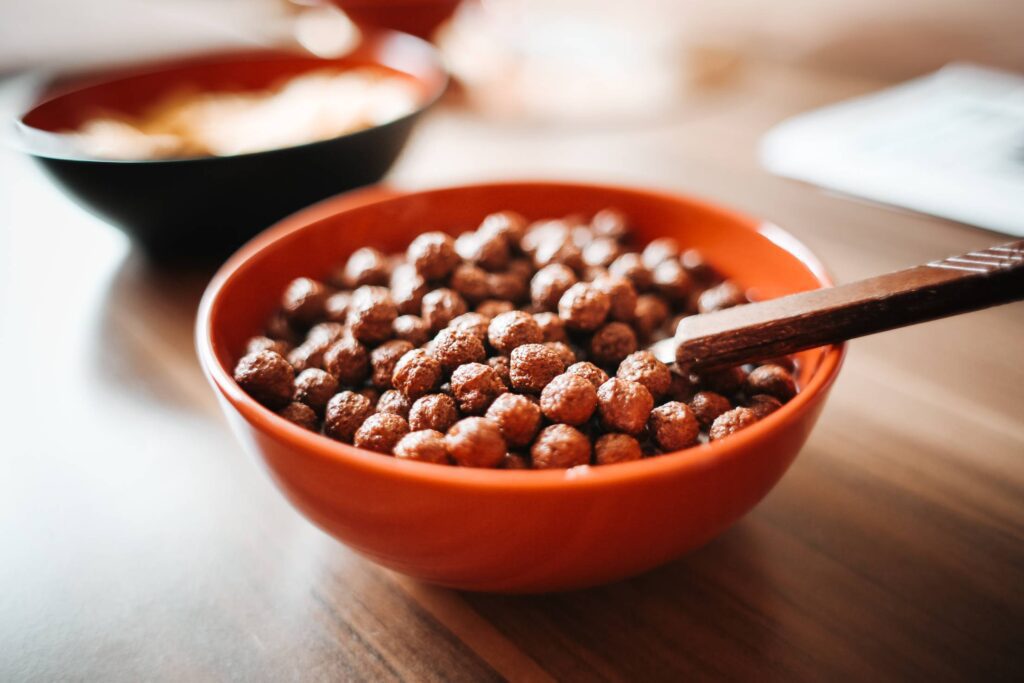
pixel 202 208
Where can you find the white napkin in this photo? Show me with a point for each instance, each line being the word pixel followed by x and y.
pixel 950 144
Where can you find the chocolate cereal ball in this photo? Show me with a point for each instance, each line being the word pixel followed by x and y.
pixel 672 281
pixel 609 223
pixel 306 355
pixel 440 306
pixel 724 295
pixel 347 360
pixel 433 254
pixel 408 288
pixel 325 333
pixel 475 386
pixel 660 250
pixel 651 313
pixel 395 402
pixel 683 387
pixel 336 306
pixel 508 224
pixel 475 442
pixel 383 360
pixel 591 273
pixel 300 414
pixel 262 343
pixel 564 352
pixel 514 461
pixel 560 446
pixel 559 249
pixel 773 380
pixel 433 411
pixel 488 248
pixel 674 426
pixel 454 347
pixel 517 416
pixel 464 245
pixel 366 266
pixel 622 295
pixel 474 323
pixel 425 445
pixel 630 266
pixel 569 399
pixel 303 300
pixel 584 307
pixel 549 284
pixel 589 372
pixel 267 377
pixel 509 286
pixel 471 282
pixel 624 406
pixel 314 387
pixel 731 422
pixel 611 343
pixel 380 432
pixel 707 406
pixel 614 448
pixel 412 329
pixel 416 373
pixel 494 307
pixel 601 252
pixel 763 405
pixel 371 393
pixel 501 365
pixel 510 330
pixel 699 269
pixel 726 381
pixel 644 368
pixel 551 327
pixel 787 363
pixel 278 327
pixel 532 366
pixel 521 268
pixel 371 313
pixel 345 413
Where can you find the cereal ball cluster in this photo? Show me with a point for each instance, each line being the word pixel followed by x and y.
pixel 517 345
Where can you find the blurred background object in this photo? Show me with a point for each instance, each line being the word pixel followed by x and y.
pixel 418 17
pixel 190 189
pixel 575 60
pixel 871 38
pixel 84 35
pixel 949 144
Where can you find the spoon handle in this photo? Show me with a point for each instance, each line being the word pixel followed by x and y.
pixel 777 327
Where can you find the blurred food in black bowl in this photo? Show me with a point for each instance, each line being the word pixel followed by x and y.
pixel 192 157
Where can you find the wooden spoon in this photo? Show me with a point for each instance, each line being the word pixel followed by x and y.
pixel 768 329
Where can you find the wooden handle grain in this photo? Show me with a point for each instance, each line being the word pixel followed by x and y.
pixel 806 320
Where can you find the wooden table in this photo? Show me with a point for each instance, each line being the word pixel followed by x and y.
pixel 140 543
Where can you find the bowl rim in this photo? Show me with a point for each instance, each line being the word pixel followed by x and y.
pixel 315 445
pixel 47 144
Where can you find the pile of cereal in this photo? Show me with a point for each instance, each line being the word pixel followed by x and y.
pixel 512 346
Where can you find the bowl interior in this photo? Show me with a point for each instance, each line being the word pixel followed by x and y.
pixel 313 242
pixel 67 104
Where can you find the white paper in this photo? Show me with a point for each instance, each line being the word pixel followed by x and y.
pixel 950 144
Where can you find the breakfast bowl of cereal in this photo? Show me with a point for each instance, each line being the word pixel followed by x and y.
pixel 457 383
pixel 193 156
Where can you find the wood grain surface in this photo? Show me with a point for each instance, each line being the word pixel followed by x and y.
pixel 138 542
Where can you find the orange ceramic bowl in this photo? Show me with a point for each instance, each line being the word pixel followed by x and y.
pixel 498 530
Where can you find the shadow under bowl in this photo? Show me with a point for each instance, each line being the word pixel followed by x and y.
pixel 202 208
pixel 502 530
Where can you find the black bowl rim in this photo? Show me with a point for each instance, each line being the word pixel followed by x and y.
pixel 44 144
